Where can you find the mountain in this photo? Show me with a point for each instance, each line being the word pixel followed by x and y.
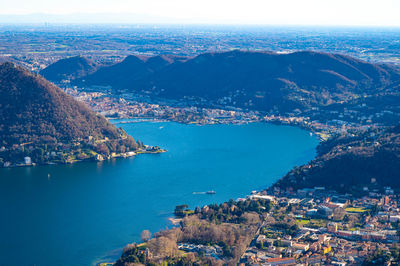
pixel 349 162
pixel 69 68
pixel 158 62
pixel 264 80
pixel 254 80
pixel 36 113
pixel 3 59
pixel 126 73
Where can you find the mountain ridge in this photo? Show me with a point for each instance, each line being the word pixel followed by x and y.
pixel 254 80
pixel 128 71
pixel 69 68
pixel 38 117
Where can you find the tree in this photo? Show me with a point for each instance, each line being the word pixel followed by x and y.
pixel 180 210
pixel 251 218
pixel 145 235
pixel 380 257
pixel 394 252
pixel 102 149
pixel 163 247
pixel 338 214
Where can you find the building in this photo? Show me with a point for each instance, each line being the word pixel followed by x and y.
pixel 332 227
pixel 265 197
pixel 300 246
pixel 28 160
pixel 394 218
pixel 280 261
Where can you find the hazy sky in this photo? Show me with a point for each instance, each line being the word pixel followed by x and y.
pixel 314 12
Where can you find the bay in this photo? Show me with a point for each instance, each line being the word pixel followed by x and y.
pixel 87 212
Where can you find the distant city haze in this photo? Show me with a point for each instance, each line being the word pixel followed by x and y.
pixel 269 12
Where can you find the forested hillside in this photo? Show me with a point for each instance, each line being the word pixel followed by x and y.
pixel 254 80
pixel 348 163
pixel 38 117
pixel 69 68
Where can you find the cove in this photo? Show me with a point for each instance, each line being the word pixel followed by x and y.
pixel 85 213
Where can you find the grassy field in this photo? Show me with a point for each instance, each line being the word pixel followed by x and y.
pixel 312 223
pixel 356 210
pixel 302 221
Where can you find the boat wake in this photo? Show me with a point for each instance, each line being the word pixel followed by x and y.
pixel 211 192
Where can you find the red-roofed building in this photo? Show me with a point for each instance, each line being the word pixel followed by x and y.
pixel 281 261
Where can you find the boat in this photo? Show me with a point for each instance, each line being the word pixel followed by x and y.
pixel 211 192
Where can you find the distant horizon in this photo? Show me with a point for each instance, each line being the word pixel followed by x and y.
pixel 355 13
pixel 87 19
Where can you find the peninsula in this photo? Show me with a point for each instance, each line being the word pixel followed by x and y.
pixel 40 124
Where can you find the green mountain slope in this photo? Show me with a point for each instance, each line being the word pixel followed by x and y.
pixel 35 113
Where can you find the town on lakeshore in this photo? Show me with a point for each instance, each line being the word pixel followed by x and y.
pixel 142 108
pixel 89 149
pixel 310 226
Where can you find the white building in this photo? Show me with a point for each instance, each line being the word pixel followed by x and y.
pixel 28 160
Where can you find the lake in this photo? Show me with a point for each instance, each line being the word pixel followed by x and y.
pixel 84 213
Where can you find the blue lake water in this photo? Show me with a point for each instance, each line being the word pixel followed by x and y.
pixel 86 212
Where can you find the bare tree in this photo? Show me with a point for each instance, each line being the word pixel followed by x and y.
pixel 163 247
pixel 145 235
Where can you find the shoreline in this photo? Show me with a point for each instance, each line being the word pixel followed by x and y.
pixel 173 220
pixel 320 135
pixel 91 159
